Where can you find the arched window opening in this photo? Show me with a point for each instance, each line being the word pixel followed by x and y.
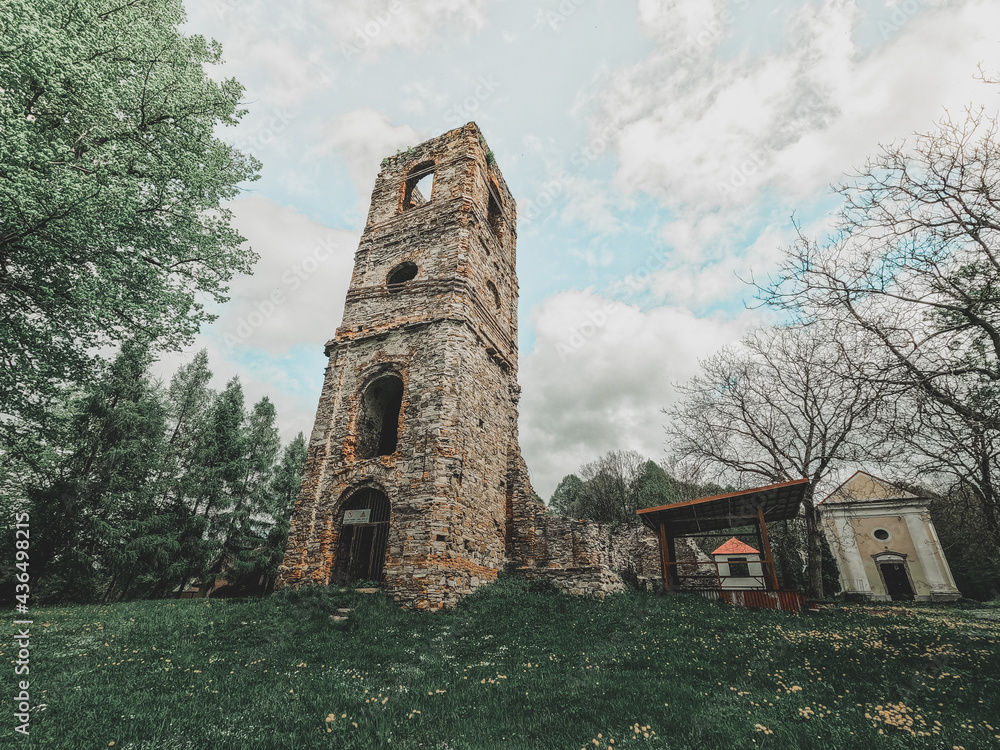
pixel 364 531
pixel 494 213
pixel 400 275
pixel 419 185
pixel 378 426
pixel 493 291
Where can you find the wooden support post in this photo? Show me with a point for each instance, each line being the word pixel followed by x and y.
pixel 770 573
pixel 675 571
pixel 665 558
pixel 764 578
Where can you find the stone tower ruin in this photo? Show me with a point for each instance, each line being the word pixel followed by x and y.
pixel 413 474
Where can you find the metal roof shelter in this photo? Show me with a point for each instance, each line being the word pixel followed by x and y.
pixel 756 507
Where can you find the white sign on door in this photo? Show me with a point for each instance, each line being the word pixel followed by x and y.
pixel 357 516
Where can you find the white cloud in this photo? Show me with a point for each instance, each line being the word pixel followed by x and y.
pixel 589 203
pixel 286 51
pixel 293 301
pixel 791 119
pixel 362 138
pixel 267 48
pixel 599 373
pixel 681 24
pixel 685 280
pixel 718 139
pixel 286 73
pixel 297 290
pixel 366 29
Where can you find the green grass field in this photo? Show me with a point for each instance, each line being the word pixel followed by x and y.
pixel 510 669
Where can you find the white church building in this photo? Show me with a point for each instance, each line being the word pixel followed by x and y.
pixel 885 543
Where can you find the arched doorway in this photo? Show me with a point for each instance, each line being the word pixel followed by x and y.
pixel 364 531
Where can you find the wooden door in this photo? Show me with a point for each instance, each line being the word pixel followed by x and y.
pixel 897 582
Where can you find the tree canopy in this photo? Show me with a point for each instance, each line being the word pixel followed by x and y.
pixel 775 409
pixel 915 267
pixel 146 488
pixel 112 186
pixel 913 274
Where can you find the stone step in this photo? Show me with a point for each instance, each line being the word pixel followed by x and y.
pixel 338 618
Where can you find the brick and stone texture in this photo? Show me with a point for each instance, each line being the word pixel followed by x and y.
pixel 448 333
pixel 430 330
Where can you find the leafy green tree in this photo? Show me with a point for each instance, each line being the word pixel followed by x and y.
pixel 655 487
pixel 167 540
pixel 150 487
pixel 83 516
pixel 564 498
pixel 244 526
pixel 188 400
pixel 288 479
pixel 217 469
pixel 258 568
pixel 968 542
pixel 610 491
pixel 788 544
pixel 619 483
pixel 111 189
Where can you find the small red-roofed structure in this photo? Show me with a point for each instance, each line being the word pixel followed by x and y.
pixel 739 566
pixel 735 547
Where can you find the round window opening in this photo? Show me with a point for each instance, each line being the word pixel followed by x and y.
pixel 401 274
pixel 881 534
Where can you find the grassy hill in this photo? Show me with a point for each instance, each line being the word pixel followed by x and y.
pixel 510 669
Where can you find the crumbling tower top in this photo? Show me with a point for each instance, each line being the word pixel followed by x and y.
pixel 439 244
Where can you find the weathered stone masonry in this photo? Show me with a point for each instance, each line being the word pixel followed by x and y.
pixel 419 403
pixel 449 334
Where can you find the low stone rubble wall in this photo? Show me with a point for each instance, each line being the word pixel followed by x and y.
pixel 587 558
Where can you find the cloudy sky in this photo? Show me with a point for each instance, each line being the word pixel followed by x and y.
pixel 657 151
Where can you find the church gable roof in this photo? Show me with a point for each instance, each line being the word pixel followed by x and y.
pixel 863 487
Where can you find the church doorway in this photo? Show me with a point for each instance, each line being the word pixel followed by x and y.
pixel 364 531
pixel 897 582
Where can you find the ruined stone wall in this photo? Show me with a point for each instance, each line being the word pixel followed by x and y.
pixel 635 549
pixel 575 555
pixel 578 556
pixel 584 557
